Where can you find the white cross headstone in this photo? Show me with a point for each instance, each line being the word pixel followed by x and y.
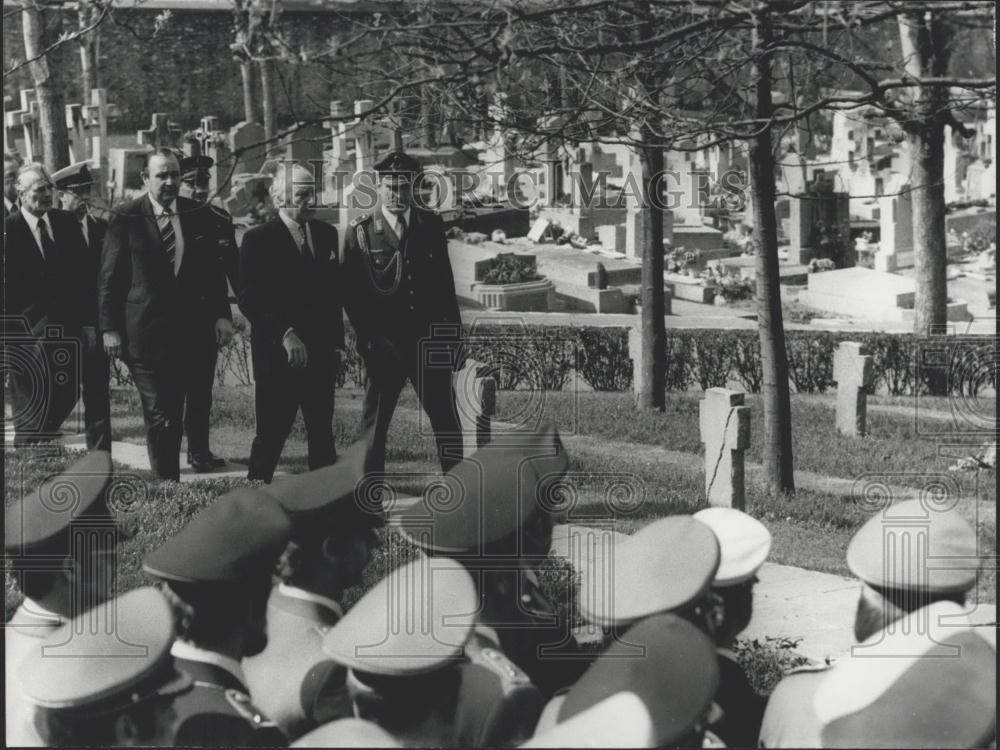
pixel 725 431
pixel 852 370
pixel 96 116
pixel 160 133
pixel 475 401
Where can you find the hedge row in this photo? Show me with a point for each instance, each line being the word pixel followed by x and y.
pixel 545 358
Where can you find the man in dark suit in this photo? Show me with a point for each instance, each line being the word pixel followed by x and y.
pixel 198 398
pixel 290 293
pixel 400 298
pixel 11 164
pixel 44 263
pixel 162 300
pixel 74 184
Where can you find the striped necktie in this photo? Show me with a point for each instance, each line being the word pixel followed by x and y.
pixel 168 238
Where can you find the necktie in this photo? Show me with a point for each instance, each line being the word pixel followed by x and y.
pixel 305 249
pixel 402 229
pixel 168 238
pixel 48 244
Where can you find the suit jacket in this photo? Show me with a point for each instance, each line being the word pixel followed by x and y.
pixel 139 297
pixel 292 680
pixel 279 289
pixel 373 259
pixel 217 711
pixel 225 243
pixel 47 291
pixel 24 632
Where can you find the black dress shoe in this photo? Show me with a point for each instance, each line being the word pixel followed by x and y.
pixel 203 464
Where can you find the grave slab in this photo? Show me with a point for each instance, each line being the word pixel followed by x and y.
pixel 725 431
pixel 852 370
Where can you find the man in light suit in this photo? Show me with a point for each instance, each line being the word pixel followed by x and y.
pixel 292 679
pixel 45 265
pixel 290 293
pixel 162 300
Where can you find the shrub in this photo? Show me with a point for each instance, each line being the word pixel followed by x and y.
pixel 747 367
pixel 507 268
pixel 810 360
pixel 765 663
pixel 603 359
pixel 712 358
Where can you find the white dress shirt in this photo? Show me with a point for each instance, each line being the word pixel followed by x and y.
pixel 175 221
pixel 393 219
pixel 34 222
pixel 85 228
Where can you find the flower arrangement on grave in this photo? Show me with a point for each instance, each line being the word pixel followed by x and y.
pixel 730 286
pixel 679 260
pixel 818 265
pixel 507 268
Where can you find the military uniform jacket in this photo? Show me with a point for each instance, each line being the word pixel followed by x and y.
pixel 140 297
pixel 790 719
pixel 292 681
pixel 497 704
pixel 395 291
pixel 217 711
pixel 24 632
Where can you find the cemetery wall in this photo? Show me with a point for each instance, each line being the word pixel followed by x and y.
pixel 186 69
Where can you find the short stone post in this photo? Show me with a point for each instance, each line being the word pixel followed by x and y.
pixel 475 401
pixel 725 431
pixel 635 354
pixel 852 370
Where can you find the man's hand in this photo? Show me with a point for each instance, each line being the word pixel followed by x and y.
pixel 223 331
pixel 89 336
pixel 112 344
pixel 296 350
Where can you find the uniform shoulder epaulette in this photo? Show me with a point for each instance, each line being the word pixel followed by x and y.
pixel 241 704
pixel 510 674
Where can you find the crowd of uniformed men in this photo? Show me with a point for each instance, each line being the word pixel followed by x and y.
pixel 242 638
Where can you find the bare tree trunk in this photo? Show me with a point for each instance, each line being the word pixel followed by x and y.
pixel 651 394
pixel 427 123
pixel 777 458
pixel 41 30
pixel 924 40
pixel 246 73
pixel 88 52
pixel 267 100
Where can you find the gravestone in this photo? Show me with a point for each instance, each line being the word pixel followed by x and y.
pixel 124 166
pixel 304 144
pixel 214 144
pixel 475 401
pixel 24 121
pixel 246 143
pixel 820 204
pixel 77 140
pixel 852 371
pixel 161 133
pixel 725 431
pixel 96 116
pixel 895 246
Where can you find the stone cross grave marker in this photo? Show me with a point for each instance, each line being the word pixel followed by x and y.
pixel 475 401
pixel 95 117
pixel 214 144
pixel 725 431
pixel 246 143
pixel 25 120
pixel 160 133
pixel 75 124
pixel 852 370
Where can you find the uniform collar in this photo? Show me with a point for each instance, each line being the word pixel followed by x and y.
pixel 394 220
pixel 294 592
pixel 186 650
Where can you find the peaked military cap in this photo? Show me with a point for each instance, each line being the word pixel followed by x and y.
pixel 664 566
pixel 884 553
pixel 398 164
pixel 665 661
pixel 414 621
pixel 74 176
pixel 236 539
pixel 744 543
pixel 195 166
pixel 622 720
pixel 339 491
pixel 88 668
pixel 348 733
pixel 490 495
pixel 40 522
pixel 931 682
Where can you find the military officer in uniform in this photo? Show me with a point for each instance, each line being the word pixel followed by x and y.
pixel 217 572
pixel 744 543
pixel 74 184
pixel 498 525
pixel 400 297
pixel 117 685
pixel 292 680
pixel 403 643
pixel 198 391
pixel 38 530
pixel 665 662
pixel 901 557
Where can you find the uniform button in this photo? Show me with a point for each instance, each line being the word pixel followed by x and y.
pixel 409 276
